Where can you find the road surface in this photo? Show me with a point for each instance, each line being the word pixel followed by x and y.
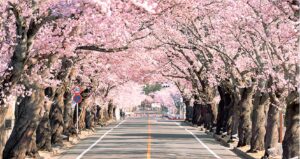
pixel 149 138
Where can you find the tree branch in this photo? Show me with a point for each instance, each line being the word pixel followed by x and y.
pixel 175 76
pixel 35 25
pixel 101 49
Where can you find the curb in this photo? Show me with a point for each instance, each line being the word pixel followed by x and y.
pixel 63 150
pixel 222 141
pixel 233 148
pixel 241 153
pixel 188 123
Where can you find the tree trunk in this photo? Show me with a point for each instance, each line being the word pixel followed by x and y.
pixel 69 126
pixel 196 114
pixel 81 122
pixel 43 133
pixel 114 112
pixel 245 116
pixel 235 116
pixel 94 116
pixel 260 106
pixel 214 113
pixel 228 113
pixel 208 117
pixel 210 106
pixel 89 118
pixel 203 112
pixel 3 111
pixel 27 119
pixel 83 113
pixel 189 110
pixel 105 115
pixel 271 137
pixel 23 132
pixel 98 114
pixel 110 111
pixel 56 117
pixel 220 117
pixel 32 150
pixel 291 141
pixel 223 111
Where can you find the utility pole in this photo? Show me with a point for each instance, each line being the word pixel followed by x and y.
pixel 77 130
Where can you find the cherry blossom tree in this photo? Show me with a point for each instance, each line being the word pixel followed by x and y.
pixel 55 27
pixel 237 40
pixel 237 57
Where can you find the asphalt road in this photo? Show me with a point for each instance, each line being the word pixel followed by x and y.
pixel 151 138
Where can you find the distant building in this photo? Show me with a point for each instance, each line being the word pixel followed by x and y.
pixel 156 105
pixel 164 85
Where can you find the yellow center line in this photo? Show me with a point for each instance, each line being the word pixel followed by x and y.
pixel 149 140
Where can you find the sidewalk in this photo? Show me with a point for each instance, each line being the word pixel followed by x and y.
pixel 242 151
pixel 57 151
